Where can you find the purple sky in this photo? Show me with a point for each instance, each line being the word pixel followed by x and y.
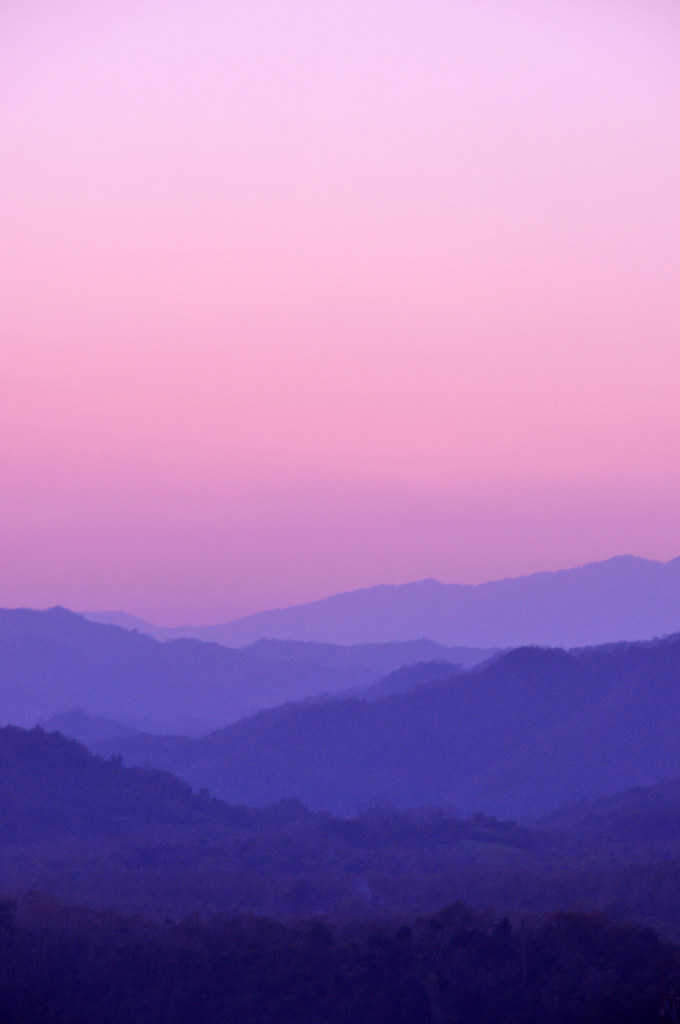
pixel 299 297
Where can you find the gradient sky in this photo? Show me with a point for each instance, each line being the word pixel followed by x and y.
pixel 303 296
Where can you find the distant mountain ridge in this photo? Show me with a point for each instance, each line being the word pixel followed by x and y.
pixel 622 598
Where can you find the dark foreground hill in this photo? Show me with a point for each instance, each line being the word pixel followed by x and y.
pixel 533 729
pixel 453 967
pixel 54 661
pixel 623 598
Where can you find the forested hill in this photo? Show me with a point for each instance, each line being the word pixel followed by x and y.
pixel 94 832
pixel 534 729
pixel 52 787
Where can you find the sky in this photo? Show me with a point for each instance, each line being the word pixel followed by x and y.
pixel 300 297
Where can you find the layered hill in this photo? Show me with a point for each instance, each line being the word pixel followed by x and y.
pixel 623 598
pixel 532 729
pixel 54 661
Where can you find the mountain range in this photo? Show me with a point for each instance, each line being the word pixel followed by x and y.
pixel 54 662
pixel 532 729
pixel 622 598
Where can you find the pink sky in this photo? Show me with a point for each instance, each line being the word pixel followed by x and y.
pixel 300 297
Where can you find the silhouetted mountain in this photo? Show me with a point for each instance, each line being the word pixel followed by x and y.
pixel 52 661
pixel 623 598
pixel 533 729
